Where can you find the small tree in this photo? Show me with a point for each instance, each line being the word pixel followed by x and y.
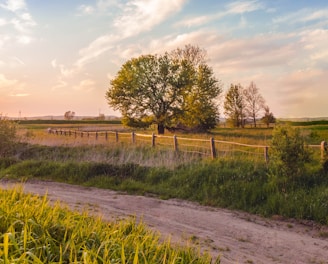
pixel 69 115
pixel 268 117
pixel 234 105
pixel 254 102
pixel 288 152
pixel 8 136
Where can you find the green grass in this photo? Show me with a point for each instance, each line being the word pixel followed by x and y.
pixel 32 231
pixel 238 182
pixel 227 182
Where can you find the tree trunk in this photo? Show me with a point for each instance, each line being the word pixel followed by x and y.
pixel 254 120
pixel 160 129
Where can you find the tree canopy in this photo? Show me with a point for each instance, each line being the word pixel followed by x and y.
pixel 177 89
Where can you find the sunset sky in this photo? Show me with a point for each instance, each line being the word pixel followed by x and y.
pixel 59 55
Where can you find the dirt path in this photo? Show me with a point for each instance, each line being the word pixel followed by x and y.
pixel 237 237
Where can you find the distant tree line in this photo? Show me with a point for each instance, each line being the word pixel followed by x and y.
pixel 178 91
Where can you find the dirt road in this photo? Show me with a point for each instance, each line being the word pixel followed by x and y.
pixel 237 237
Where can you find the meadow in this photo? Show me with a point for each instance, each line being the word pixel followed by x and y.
pixel 231 181
pixel 237 182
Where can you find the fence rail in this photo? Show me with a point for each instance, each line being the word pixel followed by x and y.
pixel 205 147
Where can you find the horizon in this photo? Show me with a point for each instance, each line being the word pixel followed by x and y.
pixel 58 56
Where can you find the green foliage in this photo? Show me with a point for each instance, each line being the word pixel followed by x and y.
pixel 168 90
pixel 8 136
pixel 268 117
pixel 32 231
pixel 288 152
pixel 234 106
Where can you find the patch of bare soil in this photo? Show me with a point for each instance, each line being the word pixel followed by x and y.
pixel 237 237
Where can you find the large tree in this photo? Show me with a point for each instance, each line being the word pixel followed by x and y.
pixel 254 102
pixel 234 105
pixel 200 110
pixel 159 89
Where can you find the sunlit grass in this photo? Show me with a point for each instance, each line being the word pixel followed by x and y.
pixel 32 231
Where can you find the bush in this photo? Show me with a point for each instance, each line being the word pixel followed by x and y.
pixel 8 136
pixel 288 152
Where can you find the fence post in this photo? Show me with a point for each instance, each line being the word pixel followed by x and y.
pixel 153 140
pixel 106 135
pixel 75 134
pixel 324 150
pixel 175 142
pixel 213 150
pixel 116 136
pixel 266 153
pixel 96 135
pixel 81 134
pixel 133 137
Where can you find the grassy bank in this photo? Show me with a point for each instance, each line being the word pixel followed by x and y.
pixel 242 184
pixel 32 231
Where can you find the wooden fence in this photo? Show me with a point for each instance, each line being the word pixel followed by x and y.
pixel 206 147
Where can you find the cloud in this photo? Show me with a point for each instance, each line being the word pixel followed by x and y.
pixel 85 85
pixel 95 49
pixel 142 15
pixel 59 85
pixel 86 9
pixel 241 7
pixel 238 7
pixel 100 6
pixel 19 94
pixel 302 16
pixel 14 5
pixel 20 19
pixel 4 82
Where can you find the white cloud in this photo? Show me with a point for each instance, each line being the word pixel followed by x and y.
pixel 302 16
pixel 101 6
pixel 20 19
pixel 3 22
pixel 95 49
pixel 4 39
pixel 241 7
pixel 5 82
pixel 54 63
pixel 14 5
pixel 85 85
pixel 194 21
pixel 86 9
pixel 23 39
pixel 143 15
pixel 60 84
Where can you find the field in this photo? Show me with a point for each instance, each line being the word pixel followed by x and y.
pixel 229 181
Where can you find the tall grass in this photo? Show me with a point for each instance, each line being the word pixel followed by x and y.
pixel 232 183
pixel 32 231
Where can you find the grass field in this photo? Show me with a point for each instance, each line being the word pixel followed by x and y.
pixel 238 182
pixel 32 231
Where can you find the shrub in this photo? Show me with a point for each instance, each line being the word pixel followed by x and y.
pixel 288 152
pixel 8 136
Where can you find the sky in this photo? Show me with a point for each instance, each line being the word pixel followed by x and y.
pixel 58 56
